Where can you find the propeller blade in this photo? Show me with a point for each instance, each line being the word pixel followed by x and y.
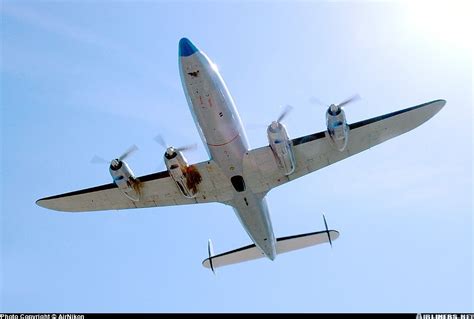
pixel 285 112
pixel 99 160
pixel 160 140
pixel 315 100
pixel 130 150
pixel 186 147
pixel 353 98
pixel 327 230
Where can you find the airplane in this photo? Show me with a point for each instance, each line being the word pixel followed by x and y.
pixel 234 174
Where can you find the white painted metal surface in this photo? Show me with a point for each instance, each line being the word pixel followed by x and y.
pixel 283 245
pixel 235 175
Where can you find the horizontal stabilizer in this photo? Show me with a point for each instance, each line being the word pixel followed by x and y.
pixel 284 244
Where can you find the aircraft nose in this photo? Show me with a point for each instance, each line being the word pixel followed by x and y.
pixel 186 47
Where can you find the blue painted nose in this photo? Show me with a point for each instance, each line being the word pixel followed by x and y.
pixel 186 47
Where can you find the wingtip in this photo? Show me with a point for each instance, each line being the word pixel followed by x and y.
pixel 440 102
pixel 438 105
pixel 43 202
pixel 39 202
pixel 206 263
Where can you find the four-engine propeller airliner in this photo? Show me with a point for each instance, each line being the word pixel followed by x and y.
pixel 235 175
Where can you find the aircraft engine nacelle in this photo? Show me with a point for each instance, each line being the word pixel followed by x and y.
pixel 186 177
pixel 338 129
pixel 125 180
pixel 281 146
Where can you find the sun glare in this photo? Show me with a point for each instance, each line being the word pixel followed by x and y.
pixel 449 22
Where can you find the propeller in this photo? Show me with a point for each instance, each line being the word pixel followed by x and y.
pixel 283 114
pixel 169 149
pixel 327 230
pixel 100 160
pixel 258 126
pixel 315 100
pixel 160 140
pixel 334 108
pixel 351 99
pixel 127 153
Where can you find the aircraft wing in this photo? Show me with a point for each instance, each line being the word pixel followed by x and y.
pixel 158 189
pixel 315 151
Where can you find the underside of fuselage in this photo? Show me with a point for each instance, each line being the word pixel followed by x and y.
pixel 222 133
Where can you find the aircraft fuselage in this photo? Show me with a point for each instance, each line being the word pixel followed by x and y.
pixel 223 135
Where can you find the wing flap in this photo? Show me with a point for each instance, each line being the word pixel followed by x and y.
pixel 283 245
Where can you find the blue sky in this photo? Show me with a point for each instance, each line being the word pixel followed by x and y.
pixel 79 79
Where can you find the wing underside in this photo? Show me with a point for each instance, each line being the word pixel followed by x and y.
pixel 315 151
pixel 260 168
pixel 157 189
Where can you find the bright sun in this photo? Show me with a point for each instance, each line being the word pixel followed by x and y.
pixel 450 22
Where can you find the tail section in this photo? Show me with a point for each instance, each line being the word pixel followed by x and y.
pixel 284 245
